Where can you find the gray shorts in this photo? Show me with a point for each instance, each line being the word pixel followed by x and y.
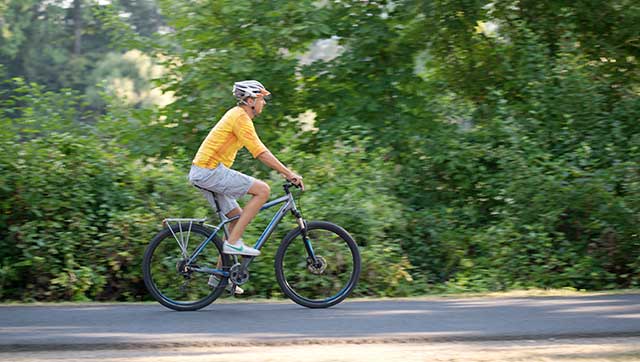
pixel 228 185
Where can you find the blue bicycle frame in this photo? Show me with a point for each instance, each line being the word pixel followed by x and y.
pixel 289 205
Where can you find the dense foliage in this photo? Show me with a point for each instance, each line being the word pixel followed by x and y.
pixel 466 145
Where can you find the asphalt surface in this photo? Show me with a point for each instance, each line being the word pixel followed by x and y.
pixel 108 326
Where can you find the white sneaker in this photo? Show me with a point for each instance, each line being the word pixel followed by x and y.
pixel 239 249
pixel 214 281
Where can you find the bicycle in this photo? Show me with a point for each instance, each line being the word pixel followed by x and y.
pixel 317 264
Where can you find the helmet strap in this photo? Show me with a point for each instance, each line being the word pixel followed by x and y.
pixel 253 107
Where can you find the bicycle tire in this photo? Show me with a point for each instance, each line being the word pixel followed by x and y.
pixel 293 282
pixel 167 236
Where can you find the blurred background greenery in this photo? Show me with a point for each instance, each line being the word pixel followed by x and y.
pixel 467 145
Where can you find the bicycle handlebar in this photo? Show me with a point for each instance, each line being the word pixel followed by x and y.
pixel 287 185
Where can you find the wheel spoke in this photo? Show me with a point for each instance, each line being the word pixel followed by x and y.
pixel 178 238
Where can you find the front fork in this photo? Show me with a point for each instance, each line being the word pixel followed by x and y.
pixel 311 259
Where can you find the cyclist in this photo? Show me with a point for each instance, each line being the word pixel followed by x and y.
pixel 211 168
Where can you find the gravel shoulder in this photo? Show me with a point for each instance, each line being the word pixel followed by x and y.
pixel 566 350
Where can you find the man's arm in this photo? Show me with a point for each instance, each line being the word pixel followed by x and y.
pixel 270 160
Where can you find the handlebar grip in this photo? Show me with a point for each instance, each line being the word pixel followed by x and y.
pixel 288 184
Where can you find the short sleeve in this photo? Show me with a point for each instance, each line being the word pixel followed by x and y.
pixel 245 131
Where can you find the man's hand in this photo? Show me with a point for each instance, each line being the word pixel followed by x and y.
pixel 296 180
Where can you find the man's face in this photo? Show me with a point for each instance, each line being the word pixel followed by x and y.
pixel 259 103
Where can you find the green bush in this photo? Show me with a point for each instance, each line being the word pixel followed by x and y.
pixel 77 216
pixel 540 192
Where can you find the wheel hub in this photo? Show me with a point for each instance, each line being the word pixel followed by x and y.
pixel 183 268
pixel 318 267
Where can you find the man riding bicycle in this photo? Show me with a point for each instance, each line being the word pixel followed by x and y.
pixel 211 169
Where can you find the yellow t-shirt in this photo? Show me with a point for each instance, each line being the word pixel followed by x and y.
pixel 233 131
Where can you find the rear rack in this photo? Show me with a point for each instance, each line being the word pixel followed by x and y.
pixel 183 224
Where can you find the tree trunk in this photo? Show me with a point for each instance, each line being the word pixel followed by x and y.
pixel 77 24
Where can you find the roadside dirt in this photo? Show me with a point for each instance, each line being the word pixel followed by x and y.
pixel 564 350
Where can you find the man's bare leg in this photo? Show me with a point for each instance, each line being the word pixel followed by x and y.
pixel 260 192
pixel 235 212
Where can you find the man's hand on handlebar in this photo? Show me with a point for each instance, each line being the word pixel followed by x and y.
pixel 296 180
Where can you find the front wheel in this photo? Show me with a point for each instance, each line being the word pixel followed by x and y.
pixel 328 279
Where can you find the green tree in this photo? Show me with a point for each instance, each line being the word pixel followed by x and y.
pixel 58 44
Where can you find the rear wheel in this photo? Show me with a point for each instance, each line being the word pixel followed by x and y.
pixel 167 276
pixel 330 278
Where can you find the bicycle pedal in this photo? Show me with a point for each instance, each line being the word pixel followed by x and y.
pixel 235 290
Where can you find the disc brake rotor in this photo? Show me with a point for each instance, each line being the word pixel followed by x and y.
pixel 319 267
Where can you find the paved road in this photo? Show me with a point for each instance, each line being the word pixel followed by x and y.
pixel 437 319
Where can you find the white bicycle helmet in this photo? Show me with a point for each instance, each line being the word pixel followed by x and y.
pixel 248 88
